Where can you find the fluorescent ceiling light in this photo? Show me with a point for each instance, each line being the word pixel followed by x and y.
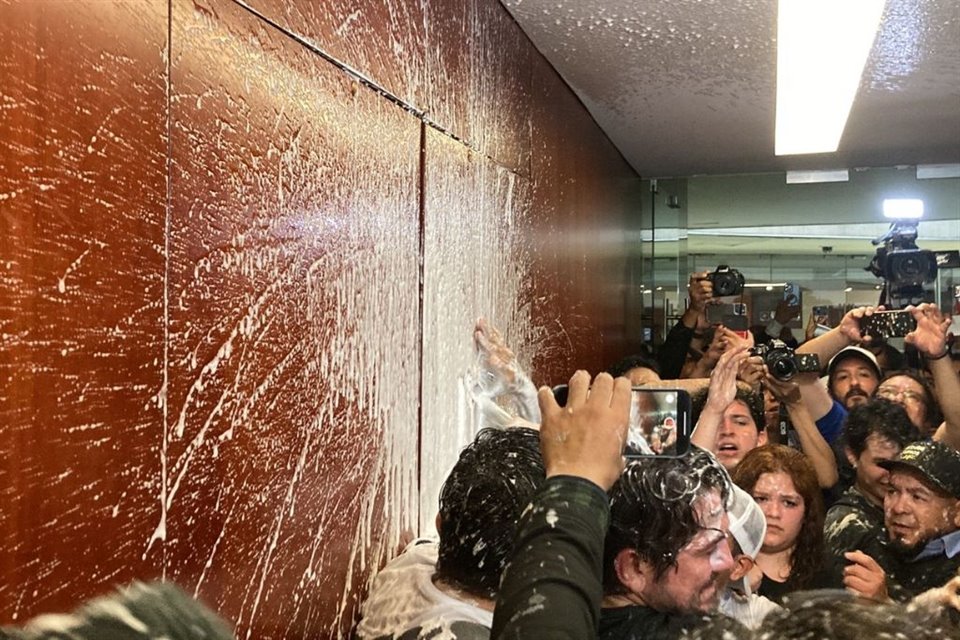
pixel 822 46
pixel 810 177
pixel 900 208
pixel 929 171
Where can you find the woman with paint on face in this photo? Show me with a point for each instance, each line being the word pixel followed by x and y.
pixel 783 482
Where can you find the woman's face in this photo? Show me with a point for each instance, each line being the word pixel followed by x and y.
pixel 784 508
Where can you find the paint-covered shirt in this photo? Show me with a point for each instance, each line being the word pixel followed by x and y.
pixel 138 612
pixel 552 586
pixel 405 603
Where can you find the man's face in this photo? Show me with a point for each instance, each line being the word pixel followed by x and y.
pixel 854 381
pixel 738 434
pixel 914 512
pixel 907 392
pixel 872 479
pixel 693 585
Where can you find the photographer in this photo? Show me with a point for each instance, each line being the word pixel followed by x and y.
pixel 929 338
pixel 824 406
pixel 673 352
pixel 730 423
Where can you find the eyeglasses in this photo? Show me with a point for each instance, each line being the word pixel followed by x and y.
pixel 904 395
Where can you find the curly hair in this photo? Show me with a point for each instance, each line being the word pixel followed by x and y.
pixel 481 502
pixel 807 555
pixel 932 417
pixel 752 399
pixel 652 509
pixel 883 418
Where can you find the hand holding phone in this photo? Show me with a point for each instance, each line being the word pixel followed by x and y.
pixel 881 325
pixel 659 421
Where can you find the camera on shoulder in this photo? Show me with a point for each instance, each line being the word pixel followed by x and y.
pixel 726 281
pixel 782 362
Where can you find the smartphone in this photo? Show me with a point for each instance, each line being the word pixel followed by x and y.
pixel 821 313
pixel 791 294
pixel 888 324
pixel 728 314
pixel 659 421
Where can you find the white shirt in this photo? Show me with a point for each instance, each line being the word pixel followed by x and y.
pixel 403 597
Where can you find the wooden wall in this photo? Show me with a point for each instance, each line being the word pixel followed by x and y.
pixel 242 249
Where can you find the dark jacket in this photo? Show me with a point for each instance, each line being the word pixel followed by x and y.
pixel 551 589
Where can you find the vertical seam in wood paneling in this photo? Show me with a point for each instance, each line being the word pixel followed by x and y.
pixel 167 215
pixel 421 253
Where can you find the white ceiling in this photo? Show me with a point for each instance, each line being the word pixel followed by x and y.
pixel 687 87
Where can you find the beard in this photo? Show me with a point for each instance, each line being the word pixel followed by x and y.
pixel 855 396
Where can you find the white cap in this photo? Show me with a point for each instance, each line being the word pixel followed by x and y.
pixel 748 525
pixel 857 352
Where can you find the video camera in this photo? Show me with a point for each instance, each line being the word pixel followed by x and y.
pixel 904 267
pixel 782 362
pixel 726 281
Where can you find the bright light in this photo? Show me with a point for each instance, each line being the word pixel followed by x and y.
pixel 848 290
pixel 822 46
pixel 900 208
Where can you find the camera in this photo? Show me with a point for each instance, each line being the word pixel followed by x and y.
pixel 904 267
pixel 726 281
pixel 782 362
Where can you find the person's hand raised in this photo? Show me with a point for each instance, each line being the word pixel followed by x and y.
pixel 586 437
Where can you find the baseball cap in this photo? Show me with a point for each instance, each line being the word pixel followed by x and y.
pixel 935 461
pixel 857 352
pixel 748 525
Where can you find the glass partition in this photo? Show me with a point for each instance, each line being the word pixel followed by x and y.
pixel 816 236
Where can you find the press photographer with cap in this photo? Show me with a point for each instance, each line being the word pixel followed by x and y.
pixel 856 376
pixel 920 546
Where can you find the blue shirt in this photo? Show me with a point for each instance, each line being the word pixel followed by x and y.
pixel 830 426
pixel 947 545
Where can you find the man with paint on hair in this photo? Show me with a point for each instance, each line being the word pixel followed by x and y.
pixel 448 589
pixel 666 548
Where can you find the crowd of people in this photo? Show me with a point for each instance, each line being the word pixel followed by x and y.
pixel 821 504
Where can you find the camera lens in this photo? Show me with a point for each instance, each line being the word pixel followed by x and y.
pixel 783 368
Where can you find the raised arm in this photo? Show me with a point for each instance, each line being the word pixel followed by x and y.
pixel 930 339
pixel 673 351
pixel 501 374
pixel 811 441
pixel 552 587
pixel 722 391
pixel 815 396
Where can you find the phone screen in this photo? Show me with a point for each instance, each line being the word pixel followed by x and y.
pixel 659 421
pixel 821 314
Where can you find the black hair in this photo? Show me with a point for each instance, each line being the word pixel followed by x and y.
pixel 932 417
pixel 622 366
pixel 836 614
pixel 481 502
pixel 881 417
pixel 652 509
pixel 753 400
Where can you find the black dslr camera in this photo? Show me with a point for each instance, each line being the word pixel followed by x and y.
pixel 904 267
pixel 726 281
pixel 782 362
